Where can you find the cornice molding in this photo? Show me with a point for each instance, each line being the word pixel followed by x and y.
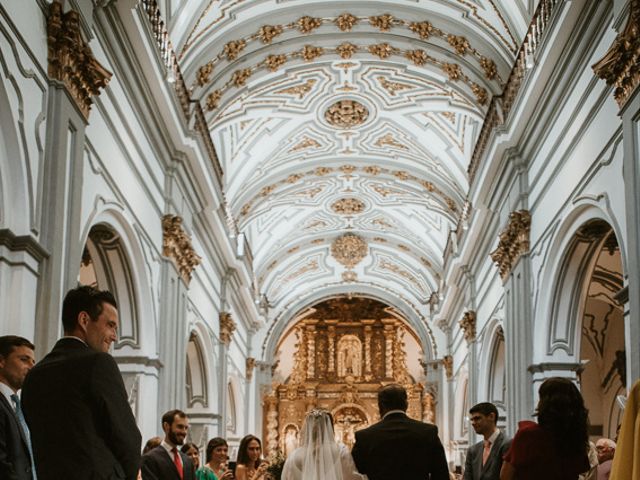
pixel 22 243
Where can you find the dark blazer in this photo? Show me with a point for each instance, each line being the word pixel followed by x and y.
pixel 158 465
pixel 15 463
pixel 400 447
pixel 473 469
pixel 79 416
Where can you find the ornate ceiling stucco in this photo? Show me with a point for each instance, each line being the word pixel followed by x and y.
pixel 358 119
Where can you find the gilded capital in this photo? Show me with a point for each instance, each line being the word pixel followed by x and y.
pixel 250 364
pixel 71 61
pixel 227 327
pixel 468 325
pixel 513 242
pixel 176 244
pixel 447 362
pixel 620 66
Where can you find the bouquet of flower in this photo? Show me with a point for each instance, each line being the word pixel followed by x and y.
pixel 276 464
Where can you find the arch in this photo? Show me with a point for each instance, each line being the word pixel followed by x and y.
pixel 233 408
pixel 290 435
pixel 196 374
pixel 461 406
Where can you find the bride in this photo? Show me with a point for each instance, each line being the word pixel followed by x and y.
pixel 320 457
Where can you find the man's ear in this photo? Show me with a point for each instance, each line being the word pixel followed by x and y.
pixel 83 320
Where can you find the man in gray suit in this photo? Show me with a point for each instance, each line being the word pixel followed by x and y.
pixel 484 459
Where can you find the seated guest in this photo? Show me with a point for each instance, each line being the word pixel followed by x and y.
pixel 217 466
pixel 152 443
pixel 250 466
pixel 555 448
pixel 192 451
pixel 605 448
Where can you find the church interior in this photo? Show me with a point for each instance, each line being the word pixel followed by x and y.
pixel 298 202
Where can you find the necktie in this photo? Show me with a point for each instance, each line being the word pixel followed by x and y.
pixel 25 431
pixel 178 461
pixel 485 452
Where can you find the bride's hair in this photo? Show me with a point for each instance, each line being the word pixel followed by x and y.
pixel 321 454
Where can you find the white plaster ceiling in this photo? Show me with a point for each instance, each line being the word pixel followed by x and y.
pixel 425 71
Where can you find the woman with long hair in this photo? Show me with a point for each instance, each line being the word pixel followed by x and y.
pixel 319 457
pixel 556 447
pixel 216 466
pixel 249 465
pixel 192 451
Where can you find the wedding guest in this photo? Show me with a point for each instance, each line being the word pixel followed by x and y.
pixel 319 457
pixel 250 466
pixel 606 449
pixel 217 465
pixel 484 459
pixel 152 443
pixel 556 447
pixel 192 451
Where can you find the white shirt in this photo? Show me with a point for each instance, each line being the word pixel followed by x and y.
pixel 393 411
pixel 492 438
pixel 169 449
pixel 7 391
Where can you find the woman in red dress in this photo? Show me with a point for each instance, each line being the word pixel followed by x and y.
pixel 556 447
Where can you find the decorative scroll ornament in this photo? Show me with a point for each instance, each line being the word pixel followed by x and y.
pixel 268 32
pixel 299 90
pixel 447 362
pixel 348 206
pixel 513 242
pixel 620 67
pixel 204 74
pixel 383 22
pixel 468 325
pixel 346 22
pixel 346 114
pixel 349 250
pixel 309 52
pixel 227 327
pixel 71 61
pixel 346 50
pixel 250 364
pixel 233 49
pixel 459 43
pixel 176 244
pixel 424 29
pixel 308 24
pixel 274 62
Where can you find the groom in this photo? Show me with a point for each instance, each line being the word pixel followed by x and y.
pixel 397 446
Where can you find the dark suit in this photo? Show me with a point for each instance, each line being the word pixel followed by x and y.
pixel 158 465
pixel 81 423
pixel 473 468
pixel 400 447
pixel 15 463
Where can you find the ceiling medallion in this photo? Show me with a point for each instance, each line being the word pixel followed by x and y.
pixel 349 249
pixel 346 114
pixel 348 206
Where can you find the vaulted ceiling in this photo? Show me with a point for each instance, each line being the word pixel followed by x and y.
pixel 345 128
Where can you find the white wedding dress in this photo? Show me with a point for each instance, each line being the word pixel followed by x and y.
pixel 320 457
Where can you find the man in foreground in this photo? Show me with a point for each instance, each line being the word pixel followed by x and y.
pixel 75 401
pixel 484 459
pixel 398 446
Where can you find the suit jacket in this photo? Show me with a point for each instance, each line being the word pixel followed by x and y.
pixel 158 465
pixel 81 423
pixel 473 468
pixel 400 447
pixel 15 463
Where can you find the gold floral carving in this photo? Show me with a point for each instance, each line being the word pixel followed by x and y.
pixel 382 50
pixel 309 52
pixel 346 50
pixel 453 70
pixel 468 325
pixel 233 48
pixel 489 67
pixel 268 32
pixel 322 171
pixel 346 21
pixel 418 57
pixel 204 74
pixel 213 100
pixel 480 93
pixel 383 22
pixel 393 87
pixel 348 206
pixel 459 43
pixel 620 66
pixel 300 90
pixel 349 249
pixel 349 276
pixel 513 242
pixel 372 170
pixel 346 114
pixel 274 62
pixel 424 29
pixel 347 169
pixel 227 327
pixel 241 76
pixel 388 140
pixel 293 178
pixel 71 61
pixel 308 24
pixel 176 244
pixel 447 362
pixel 250 365
pixel 305 143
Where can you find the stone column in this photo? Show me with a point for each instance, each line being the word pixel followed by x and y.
pixel 331 364
pixel 389 337
pixel 513 262
pixel 368 334
pixel 468 326
pixel 311 348
pixel 227 327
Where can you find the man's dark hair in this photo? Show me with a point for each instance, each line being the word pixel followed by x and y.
pixel 392 397
pixel 170 416
pixel 9 342
pixel 485 408
pixel 84 299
